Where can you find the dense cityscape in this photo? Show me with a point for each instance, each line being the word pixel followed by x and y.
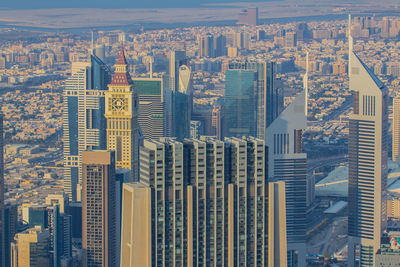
pixel 245 143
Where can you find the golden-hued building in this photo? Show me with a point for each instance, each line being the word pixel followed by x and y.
pixel 122 105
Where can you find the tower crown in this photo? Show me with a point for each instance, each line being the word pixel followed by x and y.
pixel 121 75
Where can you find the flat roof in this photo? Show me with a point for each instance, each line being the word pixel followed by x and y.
pixel 337 207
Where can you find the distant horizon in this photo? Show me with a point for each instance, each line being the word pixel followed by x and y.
pixel 50 4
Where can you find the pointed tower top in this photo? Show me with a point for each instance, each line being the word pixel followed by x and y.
pixel 121 59
pixel 121 75
pixel 350 45
pixel 305 87
pixel 307 62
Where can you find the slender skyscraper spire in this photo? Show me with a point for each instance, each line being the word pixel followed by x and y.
pixel 305 86
pixel 350 43
pixel 92 45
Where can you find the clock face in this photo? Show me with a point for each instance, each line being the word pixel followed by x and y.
pixel 119 104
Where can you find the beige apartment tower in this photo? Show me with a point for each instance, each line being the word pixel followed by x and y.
pixel 136 239
pixel 31 248
pixel 99 209
pixel 122 104
pixel 277 252
pixel 203 202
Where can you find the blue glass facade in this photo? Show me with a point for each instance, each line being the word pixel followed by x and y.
pixel 240 103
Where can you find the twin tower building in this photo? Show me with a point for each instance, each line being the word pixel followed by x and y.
pixel 199 202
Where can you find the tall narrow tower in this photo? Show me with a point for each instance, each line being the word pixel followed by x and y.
pixel 84 123
pixel 396 129
pixel 368 153
pixel 122 104
pixel 99 209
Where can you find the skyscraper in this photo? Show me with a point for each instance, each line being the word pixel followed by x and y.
pixel 268 99
pixel 288 163
pixel 122 104
pixel 84 123
pixel 99 246
pixel 206 44
pixel 220 46
pixel 2 245
pixel 176 60
pixel 60 232
pixel 396 129
pixel 217 121
pixel 136 241
pixel 240 103
pixel 152 107
pixel 249 16
pixel 31 248
pixel 10 229
pixel 368 127
pixel 277 247
pixel 202 202
pixel 179 96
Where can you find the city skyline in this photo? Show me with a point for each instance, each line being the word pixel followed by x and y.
pixel 248 143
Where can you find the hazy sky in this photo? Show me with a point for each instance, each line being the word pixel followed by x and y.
pixel 30 4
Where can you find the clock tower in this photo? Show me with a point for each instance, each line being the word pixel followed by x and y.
pixel 122 105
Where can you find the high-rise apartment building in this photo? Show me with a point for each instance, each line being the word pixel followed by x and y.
pixel 396 129
pixel 152 107
pixel 288 163
pixel 99 211
pixel 31 248
pixel 368 152
pixel 136 237
pixel 259 89
pixel 122 105
pixel 202 202
pixel 84 123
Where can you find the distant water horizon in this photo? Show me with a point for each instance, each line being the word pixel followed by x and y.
pixel 44 4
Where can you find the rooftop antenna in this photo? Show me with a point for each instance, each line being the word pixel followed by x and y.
pixel 151 67
pixel 92 44
pixel 350 43
pixel 305 86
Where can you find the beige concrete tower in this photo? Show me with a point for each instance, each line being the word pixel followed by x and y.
pixel 396 129
pixel 368 154
pixel 31 248
pixel 122 119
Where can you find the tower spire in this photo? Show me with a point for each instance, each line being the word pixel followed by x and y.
pixel 305 87
pixel 121 74
pixel 350 43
